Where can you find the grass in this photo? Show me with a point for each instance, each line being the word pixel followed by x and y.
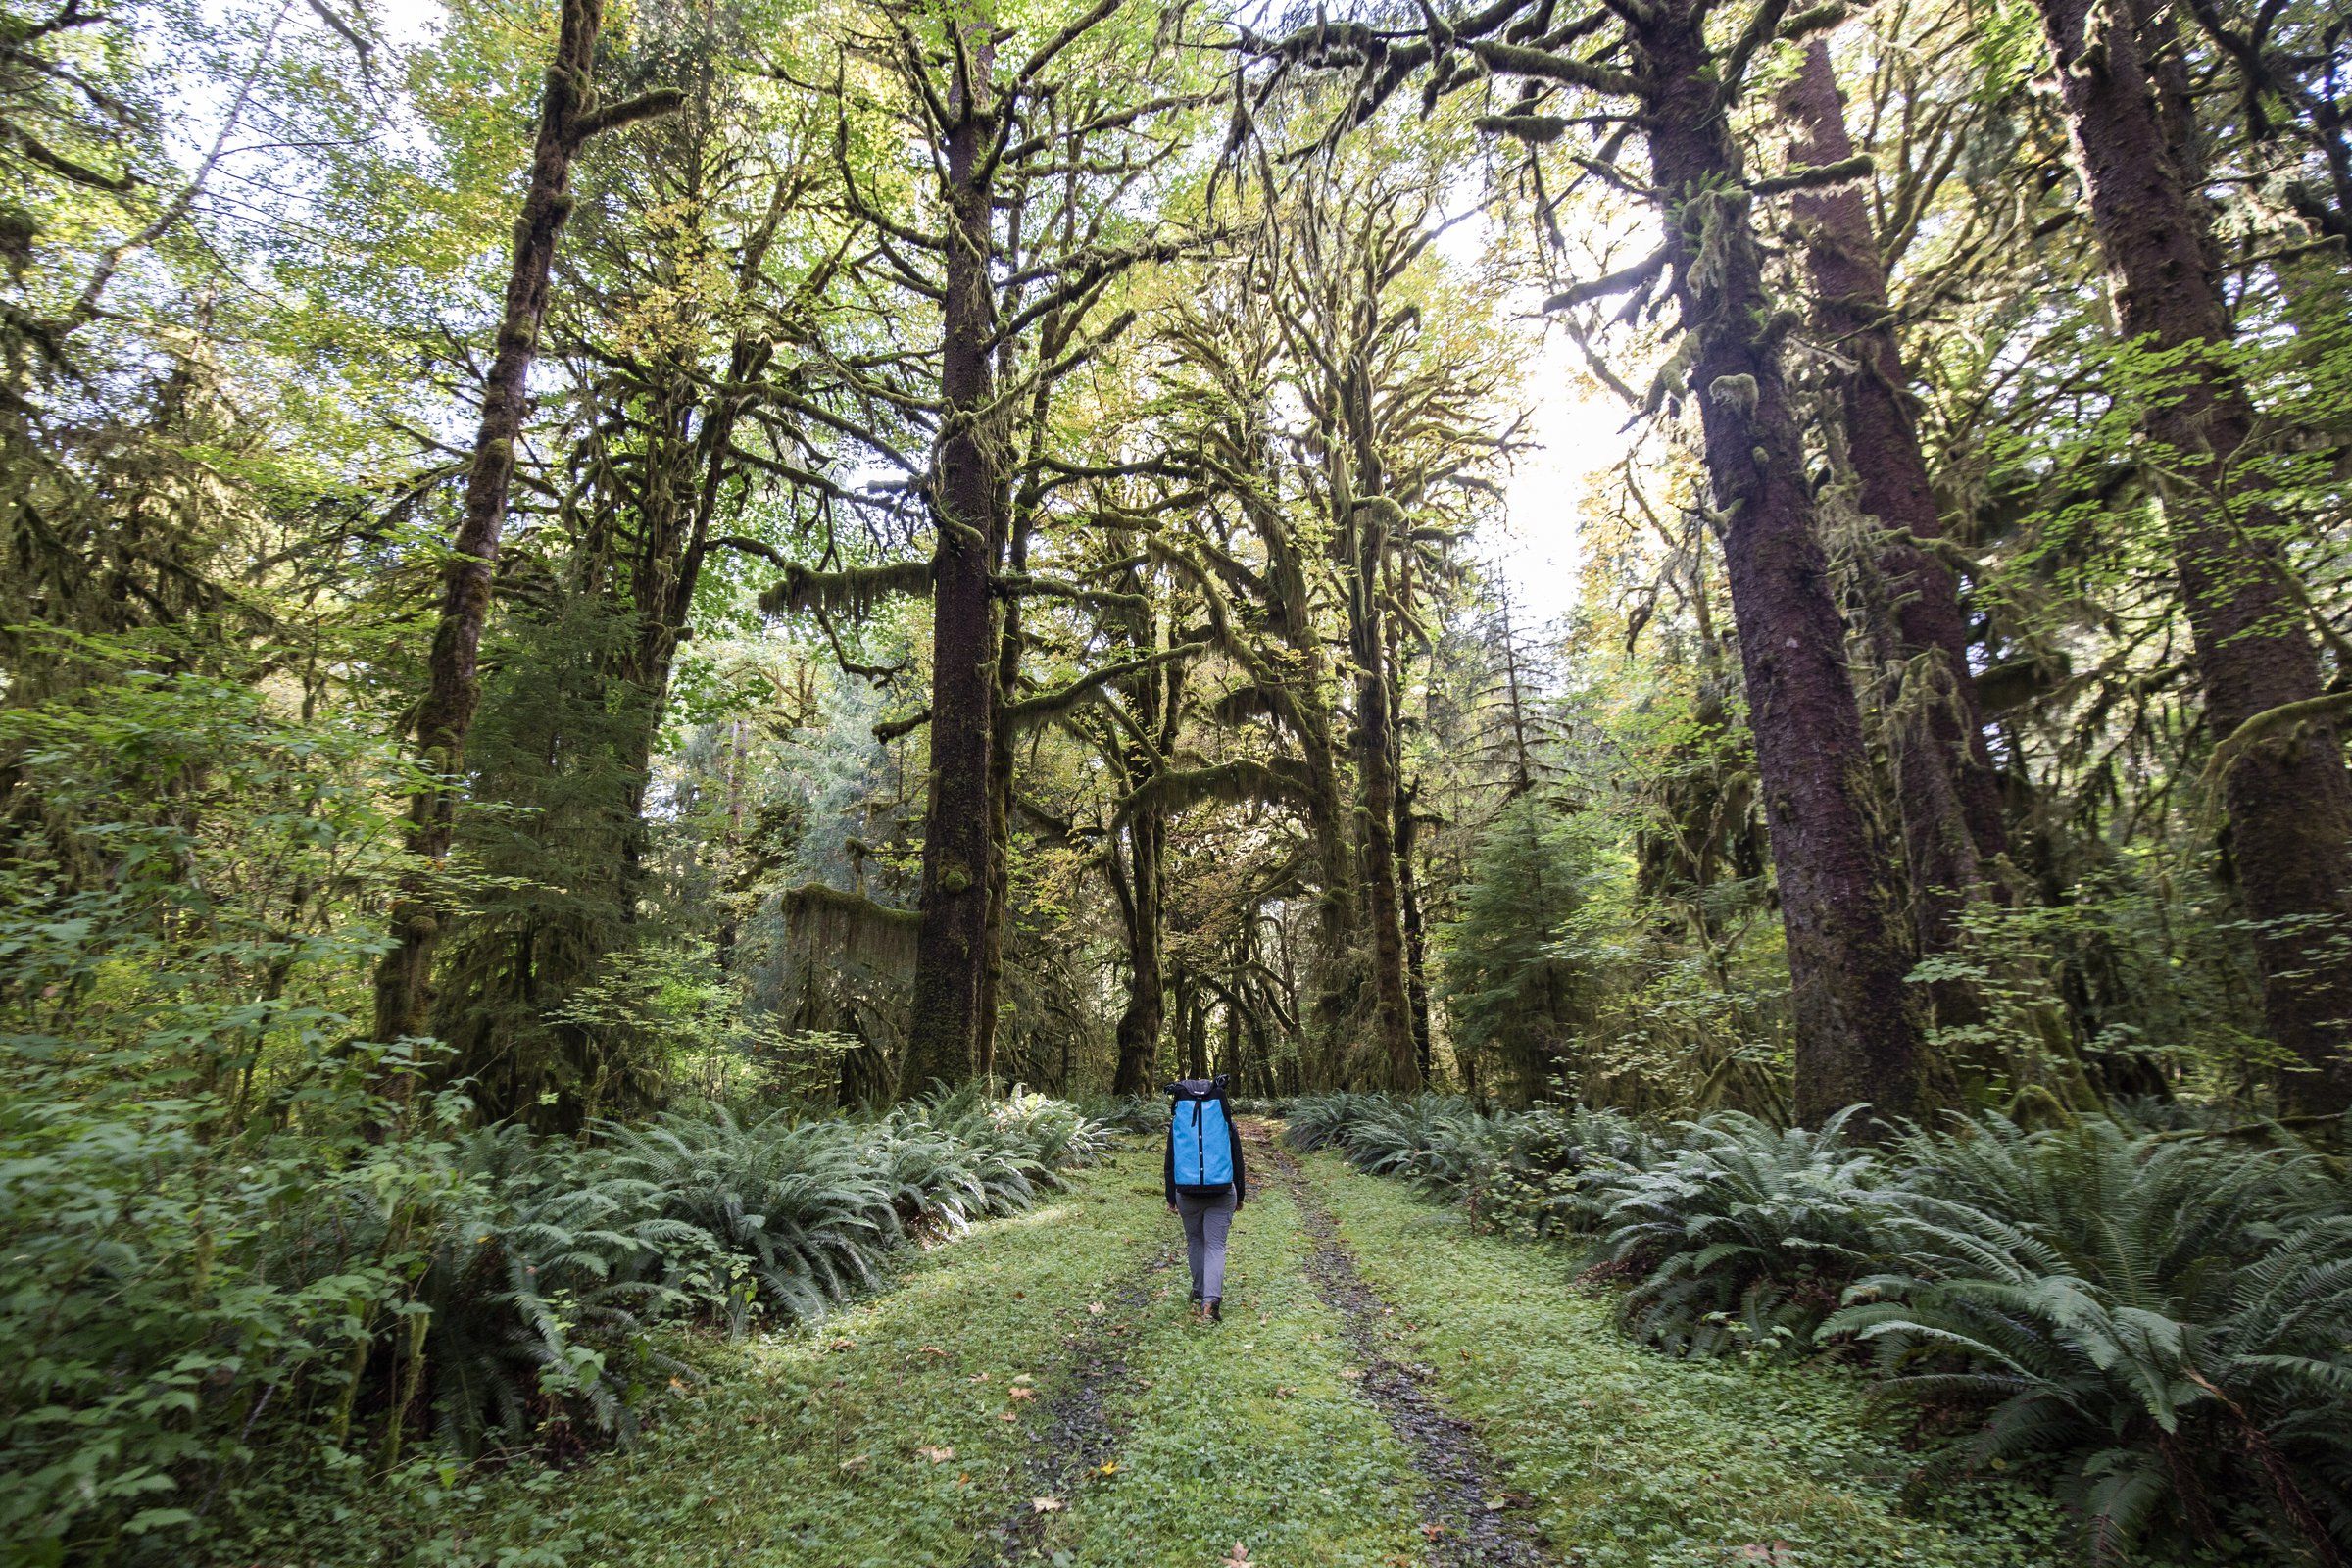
pixel 1247 1432
pixel 828 1447
pixel 1640 1461
pixel 803 1448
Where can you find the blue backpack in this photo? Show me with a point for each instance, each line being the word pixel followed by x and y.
pixel 1203 1137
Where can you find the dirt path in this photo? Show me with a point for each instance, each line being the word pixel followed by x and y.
pixel 1079 1432
pixel 1465 1514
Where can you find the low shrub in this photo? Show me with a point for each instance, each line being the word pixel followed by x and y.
pixel 186 1313
pixel 2167 1317
pixel 1543 1173
pixel 1744 1235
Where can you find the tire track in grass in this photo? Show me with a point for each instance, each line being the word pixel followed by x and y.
pixel 1247 1433
pixel 1081 1429
pixel 1463 1512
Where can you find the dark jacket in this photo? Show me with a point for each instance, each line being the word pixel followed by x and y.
pixel 1241 1177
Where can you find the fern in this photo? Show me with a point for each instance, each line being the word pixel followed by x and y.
pixel 1747 1233
pixel 2167 1316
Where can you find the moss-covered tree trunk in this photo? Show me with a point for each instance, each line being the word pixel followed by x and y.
pixel 1369 522
pixel 951 948
pixel 1857 1029
pixel 1952 810
pixel 2288 796
pixel 567 116
pixel 1142 908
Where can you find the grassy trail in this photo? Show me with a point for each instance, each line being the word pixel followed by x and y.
pixel 1387 1389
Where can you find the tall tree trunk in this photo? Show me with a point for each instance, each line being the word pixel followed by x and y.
pixel 2288 794
pixel 1010 644
pixel 1369 521
pixel 1849 281
pixel 1952 806
pixel 1408 892
pixel 952 945
pixel 1140 1021
pixel 567 118
pixel 1857 1032
pixel 1416 940
pixel 1376 818
pixel 1289 608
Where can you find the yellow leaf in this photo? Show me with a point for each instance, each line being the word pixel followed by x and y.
pixel 1046 1504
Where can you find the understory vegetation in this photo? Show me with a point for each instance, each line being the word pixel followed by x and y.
pixel 2159 1318
pixel 657 655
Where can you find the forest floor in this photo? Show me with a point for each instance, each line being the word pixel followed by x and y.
pixel 1387 1389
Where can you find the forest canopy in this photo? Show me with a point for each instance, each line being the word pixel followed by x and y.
pixel 569 566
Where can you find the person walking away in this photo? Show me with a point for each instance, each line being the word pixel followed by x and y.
pixel 1205 1182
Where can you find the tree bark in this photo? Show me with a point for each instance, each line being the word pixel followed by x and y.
pixel 567 118
pixel 1141 1019
pixel 1951 800
pixel 1857 1031
pixel 951 946
pixel 2288 796
pixel 1368 522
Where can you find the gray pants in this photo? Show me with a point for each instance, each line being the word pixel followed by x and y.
pixel 1206 1222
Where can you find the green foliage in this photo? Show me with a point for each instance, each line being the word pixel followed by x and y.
pixel 1640 1461
pixel 1513 1001
pixel 2167 1316
pixel 2160 1319
pixel 1745 1234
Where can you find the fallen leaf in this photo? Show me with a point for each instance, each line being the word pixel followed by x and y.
pixel 1008 1416
pixel 1046 1504
pixel 856 1461
pixel 843 1345
pixel 1095 1308
pixel 1431 1532
pixel 1109 1467
pixel 1238 1557
pixel 677 1383
pixel 1283 1391
pixel 936 1453
pixel 977 1377
pixel 933 1349
pixel 1351 1374
pixel 1022 1377
pixel 1022 1394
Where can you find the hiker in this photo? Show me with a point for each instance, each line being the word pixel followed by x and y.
pixel 1205 1183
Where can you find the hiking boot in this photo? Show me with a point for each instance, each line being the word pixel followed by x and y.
pixel 1216 1310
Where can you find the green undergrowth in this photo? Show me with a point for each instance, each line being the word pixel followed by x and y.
pixel 1248 1431
pixel 1639 1460
pixel 807 1446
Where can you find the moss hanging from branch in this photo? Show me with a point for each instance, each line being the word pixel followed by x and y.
pixel 854 592
pixel 826 925
pixel 2270 724
pixel 1237 783
pixel 1047 705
